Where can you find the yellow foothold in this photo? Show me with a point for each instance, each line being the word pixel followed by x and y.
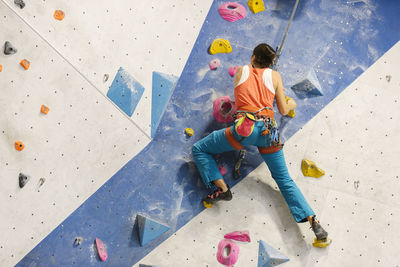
pixel 207 205
pixel 322 243
pixel 309 168
pixel 220 46
pixel 189 131
pixel 256 6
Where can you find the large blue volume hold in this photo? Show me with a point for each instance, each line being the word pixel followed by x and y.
pixel 149 229
pixel 163 85
pixel 309 85
pixel 269 256
pixel 125 91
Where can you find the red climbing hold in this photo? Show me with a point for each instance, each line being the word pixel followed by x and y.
pixel 101 249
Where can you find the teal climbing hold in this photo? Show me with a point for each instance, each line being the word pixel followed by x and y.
pixel 309 85
pixel 125 91
pixel 269 256
pixel 149 229
pixel 163 85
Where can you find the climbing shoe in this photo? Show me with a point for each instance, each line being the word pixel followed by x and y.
pixel 217 196
pixel 321 239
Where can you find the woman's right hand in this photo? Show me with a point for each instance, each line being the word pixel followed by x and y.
pixel 291 103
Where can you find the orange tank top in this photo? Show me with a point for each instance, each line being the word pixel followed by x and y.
pixel 255 91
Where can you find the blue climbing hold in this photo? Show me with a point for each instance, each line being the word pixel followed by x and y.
pixel 269 256
pixel 125 91
pixel 149 229
pixel 309 85
pixel 163 85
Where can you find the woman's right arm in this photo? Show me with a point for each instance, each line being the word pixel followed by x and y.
pixel 284 106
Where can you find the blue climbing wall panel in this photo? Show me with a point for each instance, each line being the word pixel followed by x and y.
pixel 162 86
pixel 125 91
pixel 161 182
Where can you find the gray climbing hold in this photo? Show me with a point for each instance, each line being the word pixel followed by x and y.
pixel 23 179
pixel 105 78
pixel 78 241
pixel 19 3
pixel 41 181
pixel 9 49
pixel 388 78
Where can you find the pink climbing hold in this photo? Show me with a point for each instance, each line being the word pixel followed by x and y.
pixel 242 236
pixel 232 70
pixel 232 11
pixel 232 253
pixel 222 170
pixel 223 109
pixel 214 64
pixel 101 249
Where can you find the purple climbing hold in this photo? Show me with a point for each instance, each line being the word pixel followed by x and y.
pixel 214 64
pixel 232 11
pixel 23 179
pixel 232 70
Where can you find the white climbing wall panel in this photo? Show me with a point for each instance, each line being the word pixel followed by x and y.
pixel 84 139
pixel 97 38
pixel 355 140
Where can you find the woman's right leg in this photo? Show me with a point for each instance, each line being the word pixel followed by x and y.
pixel 203 150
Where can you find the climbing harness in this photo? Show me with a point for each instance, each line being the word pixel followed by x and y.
pixel 271 132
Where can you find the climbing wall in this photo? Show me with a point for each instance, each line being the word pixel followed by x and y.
pixel 85 138
pixel 161 182
pixel 97 38
pixel 356 200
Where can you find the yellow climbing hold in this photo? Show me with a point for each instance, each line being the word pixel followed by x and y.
pixel 207 205
pixel 220 46
pixel 322 243
pixel 189 131
pixel 256 6
pixel 309 168
pixel 291 114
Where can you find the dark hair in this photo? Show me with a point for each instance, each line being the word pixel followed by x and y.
pixel 264 55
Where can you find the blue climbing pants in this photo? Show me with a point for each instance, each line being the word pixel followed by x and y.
pixel 216 143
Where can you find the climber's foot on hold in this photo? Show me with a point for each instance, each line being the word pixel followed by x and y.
pixel 322 239
pixel 217 196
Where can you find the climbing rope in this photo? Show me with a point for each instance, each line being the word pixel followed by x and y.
pixel 279 48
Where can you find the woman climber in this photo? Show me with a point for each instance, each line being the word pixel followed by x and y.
pixel 256 87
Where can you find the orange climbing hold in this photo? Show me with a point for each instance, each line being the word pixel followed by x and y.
pixel 44 109
pixel 25 63
pixel 1 68
pixel 59 15
pixel 19 145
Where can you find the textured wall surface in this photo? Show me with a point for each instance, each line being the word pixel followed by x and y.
pixel 357 200
pixel 339 39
